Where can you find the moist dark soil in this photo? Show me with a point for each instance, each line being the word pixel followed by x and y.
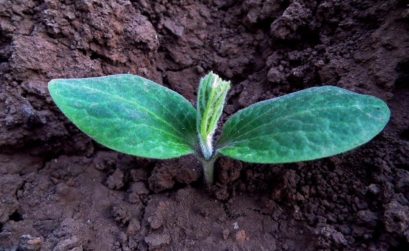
pixel 59 190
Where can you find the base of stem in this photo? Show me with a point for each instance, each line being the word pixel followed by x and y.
pixel 208 170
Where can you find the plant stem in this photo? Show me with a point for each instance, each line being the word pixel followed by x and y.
pixel 208 169
pixel 207 148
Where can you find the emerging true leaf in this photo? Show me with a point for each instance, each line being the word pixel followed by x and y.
pixel 306 125
pixel 129 114
pixel 210 103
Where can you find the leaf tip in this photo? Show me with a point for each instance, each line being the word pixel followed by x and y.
pixel 52 85
pixel 384 109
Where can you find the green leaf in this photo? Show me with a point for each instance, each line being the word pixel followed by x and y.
pixel 306 125
pixel 129 114
pixel 210 103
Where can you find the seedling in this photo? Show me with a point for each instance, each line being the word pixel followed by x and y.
pixel 136 116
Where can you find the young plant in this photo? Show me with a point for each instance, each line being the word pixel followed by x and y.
pixel 136 116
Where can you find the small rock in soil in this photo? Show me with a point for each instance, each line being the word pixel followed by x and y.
pixel 120 214
pixel 139 188
pixel 155 213
pixel 286 26
pixel 396 217
pixel 228 170
pixel 329 233
pixel 165 174
pixel 176 29
pixel 71 244
pixel 374 189
pixel 116 180
pixel 403 182
pixel 367 217
pixel 137 191
pixel 8 190
pixel 142 32
pixel 29 243
pixel 184 81
pixel 241 236
pixel 139 174
pixel 162 177
pixel 226 234
pixel 275 76
pixel 188 171
pixel 157 240
pixel 133 227
pixel 221 192
pixel 105 160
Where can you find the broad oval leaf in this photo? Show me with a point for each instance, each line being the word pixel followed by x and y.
pixel 129 114
pixel 306 125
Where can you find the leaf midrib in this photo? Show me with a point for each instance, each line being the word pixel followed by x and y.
pixel 277 101
pixel 169 112
pixel 174 136
pixel 289 116
pixel 133 103
pixel 233 145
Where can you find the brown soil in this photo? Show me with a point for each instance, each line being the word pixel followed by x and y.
pixel 61 191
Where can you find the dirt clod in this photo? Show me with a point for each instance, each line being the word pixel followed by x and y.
pixel 396 217
pixel 116 180
pixel 241 236
pixel 29 243
pixel 157 240
pixel 120 214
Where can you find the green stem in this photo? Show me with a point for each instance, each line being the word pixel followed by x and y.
pixel 208 169
pixel 207 148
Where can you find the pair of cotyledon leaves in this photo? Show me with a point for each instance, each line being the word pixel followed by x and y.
pixel 136 116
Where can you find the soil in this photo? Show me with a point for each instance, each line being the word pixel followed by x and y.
pixel 60 191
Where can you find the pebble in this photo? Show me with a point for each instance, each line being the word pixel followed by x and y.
pixel 241 236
